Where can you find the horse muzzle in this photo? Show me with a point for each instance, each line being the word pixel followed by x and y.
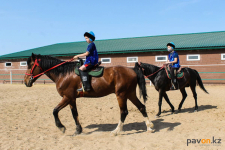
pixel 30 83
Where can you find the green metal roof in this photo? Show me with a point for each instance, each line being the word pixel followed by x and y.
pixel 193 41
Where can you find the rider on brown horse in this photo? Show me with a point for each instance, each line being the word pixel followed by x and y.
pixel 174 63
pixel 91 60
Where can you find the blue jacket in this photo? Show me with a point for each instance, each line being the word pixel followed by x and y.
pixel 171 57
pixel 92 58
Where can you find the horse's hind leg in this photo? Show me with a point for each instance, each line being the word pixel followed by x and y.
pixel 73 108
pixel 123 113
pixel 168 101
pixel 133 98
pixel 184 94
pixel 194 95
pixel 64 102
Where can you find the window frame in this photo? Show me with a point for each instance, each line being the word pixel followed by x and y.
pixel 8 62
pixel 23 62
pixel 132 61
pixel 161 56
pixel 193 55
pixel 223 54
pixel 106 62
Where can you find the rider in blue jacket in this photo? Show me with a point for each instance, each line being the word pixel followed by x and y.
pixel 174 63
pixel 91 60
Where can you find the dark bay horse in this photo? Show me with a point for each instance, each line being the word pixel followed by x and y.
pixel 162 83
pixel 119 80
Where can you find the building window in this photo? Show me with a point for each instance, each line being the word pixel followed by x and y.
pixel 161 58
pixel 193 57
pixel 106 60
pixel 23 63
pixel 132 59
pixel 8 64
pixel 223 56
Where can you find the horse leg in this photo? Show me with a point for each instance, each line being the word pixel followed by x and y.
pixel 123 113
pixel 168 101
pixel 64 102
pixel 184 94
pixel 161 93
pixel 195 96
pixel 133 98
pixel 73 108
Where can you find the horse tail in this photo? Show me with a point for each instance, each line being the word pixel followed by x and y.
pixel 200 81
pixel 141 81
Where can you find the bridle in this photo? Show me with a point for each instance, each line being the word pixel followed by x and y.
pixel 154 72
pixel 35 64
pixel 43 72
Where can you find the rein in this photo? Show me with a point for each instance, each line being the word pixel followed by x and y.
pixel 37 64
pixel 155 72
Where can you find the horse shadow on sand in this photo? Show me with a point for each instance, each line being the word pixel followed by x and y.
pixel 139 127
pixel 191 109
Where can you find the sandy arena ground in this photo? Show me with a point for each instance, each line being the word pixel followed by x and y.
pixel 26 121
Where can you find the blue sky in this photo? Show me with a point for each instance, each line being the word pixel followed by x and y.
pixel 26 24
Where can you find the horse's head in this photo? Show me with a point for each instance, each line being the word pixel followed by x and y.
pixel 142 66
pixel 147 68
pixel 33 69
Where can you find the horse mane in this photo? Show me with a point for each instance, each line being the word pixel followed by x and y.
pixel 47 62
pixel 149 68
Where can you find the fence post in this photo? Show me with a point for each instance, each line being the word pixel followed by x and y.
pixel 11 77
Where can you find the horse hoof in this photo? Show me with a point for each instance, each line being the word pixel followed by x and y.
pixel 63 129
pixel 157 116
pixel 195 110
pixel 151 131
pixel 113 133
pixel 116 132
pixel 151 125
pixel 76 133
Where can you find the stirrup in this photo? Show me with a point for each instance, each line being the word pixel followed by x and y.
pixel 172 88
pixel 80 90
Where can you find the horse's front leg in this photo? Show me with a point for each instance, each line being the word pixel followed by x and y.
pixel 161 93
pixel 64 102
pixel 73 108
pixel 123 114
pixel 168 101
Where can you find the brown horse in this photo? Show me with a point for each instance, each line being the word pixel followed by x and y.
pixel 162 83
pixel 119 80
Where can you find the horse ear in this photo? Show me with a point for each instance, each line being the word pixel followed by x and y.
pixel 33 56
pixel 138 64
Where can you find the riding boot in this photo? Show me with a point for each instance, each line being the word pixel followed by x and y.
pixel 173 73
pixel 85 81
pixel 172 85
pixel 175 79
pixel 175 83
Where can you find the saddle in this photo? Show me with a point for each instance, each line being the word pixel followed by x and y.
pixel 97 71
pixel 180 73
